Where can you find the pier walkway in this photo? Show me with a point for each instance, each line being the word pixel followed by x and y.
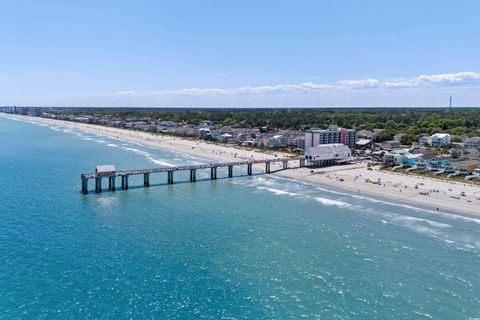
pixel 109 172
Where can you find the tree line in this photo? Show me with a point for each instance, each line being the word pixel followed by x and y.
pixel 411 121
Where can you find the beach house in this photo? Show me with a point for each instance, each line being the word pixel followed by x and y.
pixel 275 141
pixel 432 162
pixel 473 142
pixel 204 133
pixel 364 144
pixel 395 157
pixel 390 145
pixel 440 139
pixel 410 160
pixel 437 140
pixel 465 166
pixel 423 140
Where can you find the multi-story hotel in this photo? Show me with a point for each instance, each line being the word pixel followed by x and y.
pixel 331 135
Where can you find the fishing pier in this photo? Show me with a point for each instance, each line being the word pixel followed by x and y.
pixel 108 172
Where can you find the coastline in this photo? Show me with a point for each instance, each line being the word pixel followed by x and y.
pixel 351 179
pixel 355 180
pixel 415 206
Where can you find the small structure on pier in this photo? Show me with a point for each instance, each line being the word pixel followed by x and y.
pixel 105 169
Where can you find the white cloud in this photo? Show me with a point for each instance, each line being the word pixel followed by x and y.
pixel 434 80
pixel 450 78
pixel 366 83
pixel 420 90
pixel 267 89
pixel 126 93
pixel 398 84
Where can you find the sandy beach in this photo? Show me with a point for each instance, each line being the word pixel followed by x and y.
pixel 422 192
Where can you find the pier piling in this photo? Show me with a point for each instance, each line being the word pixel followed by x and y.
pixel 125 182
pixel 98 185
pixel 193 175
pixel 111 183
pixel 146 179
pixel 213 173
pixel 302 163
pixel 84 185
pixel 170 177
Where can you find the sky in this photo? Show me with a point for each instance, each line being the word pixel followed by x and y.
pixel 240 53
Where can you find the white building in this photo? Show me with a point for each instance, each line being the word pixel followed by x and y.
pixel 204 133
pixel 327 154
pixel 437 140
pixel 440 139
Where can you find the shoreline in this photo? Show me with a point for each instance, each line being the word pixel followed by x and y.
pixel 390 201
pixel 355 180
pixel 351 185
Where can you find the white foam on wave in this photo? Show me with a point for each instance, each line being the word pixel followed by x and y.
pixel 433 229
pixel 419 225
pixel 324 201
pixel 137 151
pixel 330 202
pixel 445 214
pixel 279 192
pixel 160 162
pixel 148 156
pixel 254 181
pixel 113 145
pixel 421 220
pixel 203 175
pixel 55 128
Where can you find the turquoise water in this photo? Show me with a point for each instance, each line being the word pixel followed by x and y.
pixel 249 248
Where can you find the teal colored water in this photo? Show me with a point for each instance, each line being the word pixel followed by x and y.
pixel 249 248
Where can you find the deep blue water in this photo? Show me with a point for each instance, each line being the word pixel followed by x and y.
pixel 256 247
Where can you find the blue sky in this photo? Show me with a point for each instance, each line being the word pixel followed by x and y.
pixel 239 53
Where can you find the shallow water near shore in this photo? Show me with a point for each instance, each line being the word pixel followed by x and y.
pixel 243 248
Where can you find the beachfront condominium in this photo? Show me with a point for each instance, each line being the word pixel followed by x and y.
pixel 333 134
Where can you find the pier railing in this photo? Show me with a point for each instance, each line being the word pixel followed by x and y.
pixel 124 174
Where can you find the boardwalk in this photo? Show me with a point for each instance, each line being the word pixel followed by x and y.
pixel 111 175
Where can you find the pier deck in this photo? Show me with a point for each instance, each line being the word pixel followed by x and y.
pixel 124 174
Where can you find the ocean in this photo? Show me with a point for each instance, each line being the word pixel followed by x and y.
pixel 259 247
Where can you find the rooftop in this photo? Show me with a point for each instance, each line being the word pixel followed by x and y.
pixel 105 168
